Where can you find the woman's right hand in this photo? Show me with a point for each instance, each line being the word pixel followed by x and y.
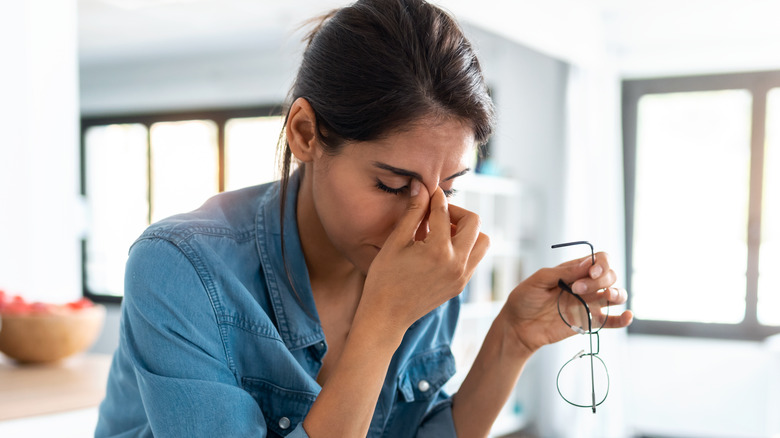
pixel 411 277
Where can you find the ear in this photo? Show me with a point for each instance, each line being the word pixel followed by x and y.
pixel 300 131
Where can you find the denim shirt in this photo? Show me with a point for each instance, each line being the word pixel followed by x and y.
pixel 215 342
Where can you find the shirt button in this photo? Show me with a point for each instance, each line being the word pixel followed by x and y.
pixel 284 423
pixel 423 385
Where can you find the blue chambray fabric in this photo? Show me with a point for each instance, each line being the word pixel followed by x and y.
pixel 215 341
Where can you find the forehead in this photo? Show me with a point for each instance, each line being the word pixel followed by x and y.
pixel 425 147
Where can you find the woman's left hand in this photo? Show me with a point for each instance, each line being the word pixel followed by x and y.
pixel 531 308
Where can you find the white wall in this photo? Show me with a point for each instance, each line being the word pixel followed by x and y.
pixel 41 216
pixel 529 90
pixel 704 388
pixel 208 80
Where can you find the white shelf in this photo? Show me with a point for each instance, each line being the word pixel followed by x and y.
pixel 499 203
pixel 71 424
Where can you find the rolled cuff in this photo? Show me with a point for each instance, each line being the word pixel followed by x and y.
pixel 298 432
pixel 438 423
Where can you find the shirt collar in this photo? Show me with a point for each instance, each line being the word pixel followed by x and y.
pixel 289 287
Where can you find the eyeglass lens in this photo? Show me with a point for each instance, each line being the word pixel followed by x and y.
pixel 581 318
pixel 582 385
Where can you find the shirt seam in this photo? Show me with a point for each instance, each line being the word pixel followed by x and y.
pixel 178 236
pixel 249 327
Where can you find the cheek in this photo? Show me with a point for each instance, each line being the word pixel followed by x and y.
pixel 378 216
pixel 360 217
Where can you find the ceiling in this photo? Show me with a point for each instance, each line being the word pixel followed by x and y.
pixel 673 29
pixel 111 29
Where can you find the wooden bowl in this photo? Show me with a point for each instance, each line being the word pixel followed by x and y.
pixel 49 337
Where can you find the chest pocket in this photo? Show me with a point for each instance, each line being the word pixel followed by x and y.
pixel 425 374
pixel 284 409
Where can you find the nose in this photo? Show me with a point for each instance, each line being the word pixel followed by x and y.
pixel 431 186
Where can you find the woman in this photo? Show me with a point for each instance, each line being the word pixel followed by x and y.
pixel 324 305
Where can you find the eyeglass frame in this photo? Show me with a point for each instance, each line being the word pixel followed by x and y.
pixel 565 288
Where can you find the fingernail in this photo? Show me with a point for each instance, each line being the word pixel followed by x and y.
pixel 579 288
pixel 415 189
pixel 596 271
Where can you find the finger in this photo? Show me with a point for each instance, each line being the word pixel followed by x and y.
pixel 574 270
pixel 467 225
pixel 410 221
pixel 567 271
pixel 599 303
pixel 610 296
pixel 477 252
pixel 620 321
pixel 588 275
pixel 587 285
pixel 439 217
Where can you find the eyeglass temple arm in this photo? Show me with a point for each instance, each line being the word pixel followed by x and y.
pixel 578 242
pixel 562 284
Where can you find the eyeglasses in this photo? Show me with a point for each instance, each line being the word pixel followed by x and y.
pixel 573 375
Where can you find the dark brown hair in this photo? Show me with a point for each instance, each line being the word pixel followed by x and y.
pixel 378 66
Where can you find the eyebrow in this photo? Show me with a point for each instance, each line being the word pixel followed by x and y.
pixel 415 175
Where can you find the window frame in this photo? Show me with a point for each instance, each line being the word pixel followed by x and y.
pixel 220 116
pixel 758 84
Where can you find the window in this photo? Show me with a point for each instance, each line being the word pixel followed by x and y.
pixel 139 169
pixel 703 204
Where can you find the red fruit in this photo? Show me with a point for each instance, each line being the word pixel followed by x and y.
pixel 80 304
pixel 16 305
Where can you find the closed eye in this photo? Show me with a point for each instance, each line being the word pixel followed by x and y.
pixel 401 190
pixel 392 190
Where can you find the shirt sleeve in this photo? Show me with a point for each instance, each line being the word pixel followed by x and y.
pixel 438 421
pixel 172 341
pixel 298 432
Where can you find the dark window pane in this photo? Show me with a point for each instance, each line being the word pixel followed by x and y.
pixel 769 258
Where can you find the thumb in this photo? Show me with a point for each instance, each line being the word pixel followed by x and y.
pixel 415 212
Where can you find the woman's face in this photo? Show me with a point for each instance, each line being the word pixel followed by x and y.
pixel 360 193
